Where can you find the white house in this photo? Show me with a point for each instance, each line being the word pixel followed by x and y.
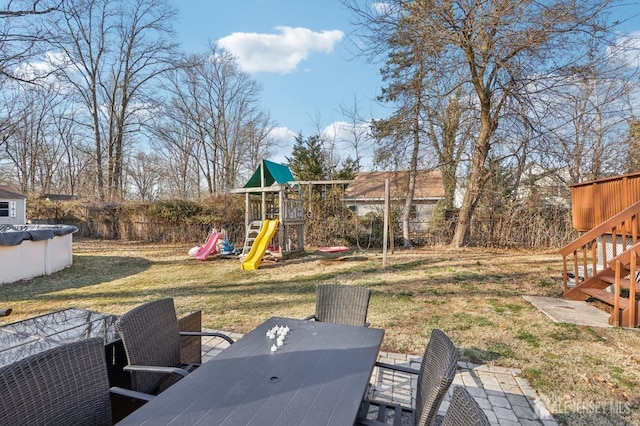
pixel 366 194
pixel 13 207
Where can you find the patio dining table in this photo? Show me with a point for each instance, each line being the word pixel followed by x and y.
pixel 317 377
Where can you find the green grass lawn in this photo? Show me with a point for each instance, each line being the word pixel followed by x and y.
pixel 584 375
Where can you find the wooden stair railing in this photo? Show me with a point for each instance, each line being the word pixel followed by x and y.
pixel 582 254
pixel 626 267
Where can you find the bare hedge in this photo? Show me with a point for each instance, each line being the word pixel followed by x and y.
pixel 174 221
pixel 528 223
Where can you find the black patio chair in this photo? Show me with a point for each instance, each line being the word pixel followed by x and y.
pixel 436 373
pixel 151 338
pixel 341 304
pixel 65 385
pixel 464 410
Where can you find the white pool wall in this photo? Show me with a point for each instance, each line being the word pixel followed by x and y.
pixel 31 259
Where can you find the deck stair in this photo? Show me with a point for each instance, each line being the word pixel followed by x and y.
pixel 597 265
pixel 627 278
pixel 252 232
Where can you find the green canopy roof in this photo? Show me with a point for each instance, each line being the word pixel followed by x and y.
pixel 273 173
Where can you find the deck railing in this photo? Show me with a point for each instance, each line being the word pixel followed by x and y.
pixel 583 254
pixel 594 202
pixel 627 261
pixel 290 210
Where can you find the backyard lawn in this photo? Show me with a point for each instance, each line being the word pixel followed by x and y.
pixel 584 375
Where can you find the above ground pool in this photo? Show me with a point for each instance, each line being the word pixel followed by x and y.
pixel 27 251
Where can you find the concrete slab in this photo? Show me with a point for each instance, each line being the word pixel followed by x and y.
pixel 570 311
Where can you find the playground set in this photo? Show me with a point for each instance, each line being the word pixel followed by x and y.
pixel 274 218
pixel 217 243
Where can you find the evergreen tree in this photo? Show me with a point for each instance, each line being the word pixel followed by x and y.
pixel 308 159
pixel 349 169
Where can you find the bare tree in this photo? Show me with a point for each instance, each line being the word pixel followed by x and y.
pixel 111 53
pixel 427 119
pixel 633 161
pixel 22 35
pixel 357 132
pixel 215 110
pixel 31 147
pixel 172 140
pixel 502 48
pixel 144 172
pixel 589 119
pixel 75 154
pixel 144 53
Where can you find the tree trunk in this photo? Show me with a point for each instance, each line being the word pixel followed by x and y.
pixel 98 146
pixel 476 179
pixel 413 170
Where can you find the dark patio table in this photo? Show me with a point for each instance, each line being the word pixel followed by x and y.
pixel 318 377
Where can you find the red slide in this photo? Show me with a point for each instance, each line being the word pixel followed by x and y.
pixel 209 247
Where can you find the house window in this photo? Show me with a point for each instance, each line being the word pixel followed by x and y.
pixel 413 212
pixel 7 209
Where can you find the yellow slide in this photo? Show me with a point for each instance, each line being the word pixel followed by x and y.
pixel 259 247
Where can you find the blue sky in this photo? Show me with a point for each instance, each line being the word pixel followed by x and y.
pixel 303 63
pixel 309 72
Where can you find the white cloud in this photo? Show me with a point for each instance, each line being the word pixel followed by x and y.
pixel 340 134
pixel 41 68
pixel 351 140
pixel 388 9
pixel 284 139
pixel 627 49
pixel 382 8
pixel 280 53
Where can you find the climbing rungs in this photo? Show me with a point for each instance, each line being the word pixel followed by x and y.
pixel 253 231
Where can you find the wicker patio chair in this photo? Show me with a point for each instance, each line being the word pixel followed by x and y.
pixel 436 373
pixel 65 385
pixel 151 338
pixel 341 304
pixel 464 410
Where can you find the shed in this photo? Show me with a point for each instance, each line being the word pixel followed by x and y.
pixel 13 207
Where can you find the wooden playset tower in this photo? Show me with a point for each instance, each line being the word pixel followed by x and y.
pixel 271 194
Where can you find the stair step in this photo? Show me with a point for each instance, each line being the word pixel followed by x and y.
pixel 624 282
pixel 605 296
pixel 597 282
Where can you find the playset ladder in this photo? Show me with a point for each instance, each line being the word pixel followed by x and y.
pixel 252 232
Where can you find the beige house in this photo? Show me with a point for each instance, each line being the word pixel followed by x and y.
pixel 365 194
pixel 13 207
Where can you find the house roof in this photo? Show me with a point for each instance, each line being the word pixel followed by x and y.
pixel 58 197
pixel 370 185
pixel 273 173
pixel 6 192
